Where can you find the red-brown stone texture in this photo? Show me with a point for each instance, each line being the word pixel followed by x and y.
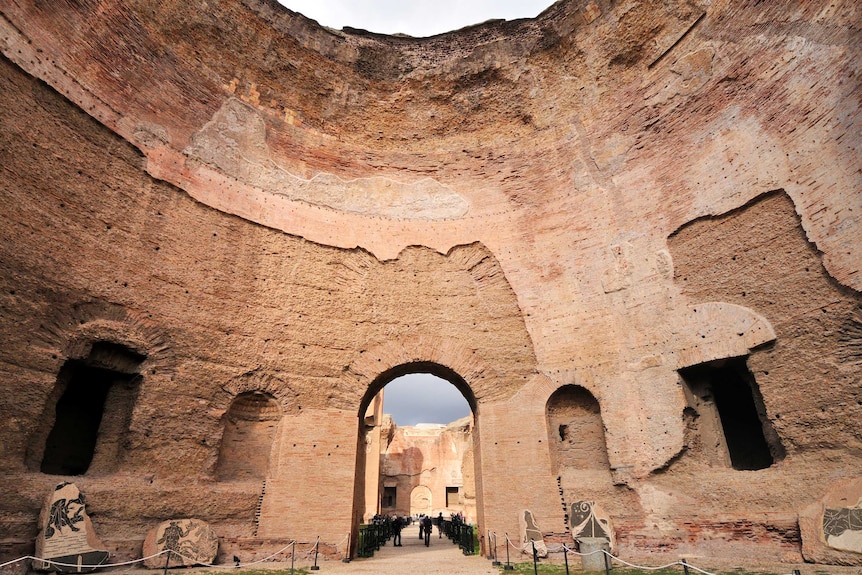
pixel 220 222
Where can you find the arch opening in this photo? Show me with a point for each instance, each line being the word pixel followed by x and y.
pixel 423 468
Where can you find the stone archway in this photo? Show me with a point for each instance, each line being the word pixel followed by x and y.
pixel 421 500
pixel 423 491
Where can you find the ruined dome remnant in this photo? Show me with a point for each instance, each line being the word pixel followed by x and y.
pixel 627 232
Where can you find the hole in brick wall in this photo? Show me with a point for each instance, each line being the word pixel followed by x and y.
pixel 726 397
pixel 95 398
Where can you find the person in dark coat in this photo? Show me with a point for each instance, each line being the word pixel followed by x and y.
pixel 397 524
pixel 426 524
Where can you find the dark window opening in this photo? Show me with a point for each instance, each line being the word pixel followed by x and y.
pixel 451 496
pixel 728 388
pixel 97 393
pixel 388 497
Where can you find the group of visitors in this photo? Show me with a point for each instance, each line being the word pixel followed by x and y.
pixel 425 526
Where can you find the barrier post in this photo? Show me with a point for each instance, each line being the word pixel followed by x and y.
pixel 488 539
pixel 168 560
pixel 607 562
pixel 684 566
pixel 347 551
pixel 566 558
pixel 315 567
pixel 495 563
pixel 508 566
pixel 292 555
pixel 535 558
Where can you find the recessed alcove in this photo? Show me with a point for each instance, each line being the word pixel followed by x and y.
pixel 250 427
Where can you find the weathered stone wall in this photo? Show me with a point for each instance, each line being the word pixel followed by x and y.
pixel 433 457
pixel 254 203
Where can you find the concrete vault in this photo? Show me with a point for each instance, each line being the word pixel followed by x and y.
pixel 223 227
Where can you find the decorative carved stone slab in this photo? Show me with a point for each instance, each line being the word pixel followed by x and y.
pixel 530 532
pixel 191 541
pixel 66 534
pixel 589 520
pixel 831 528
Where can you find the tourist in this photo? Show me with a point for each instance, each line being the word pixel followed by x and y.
pixel 426 524
pixel 440 526
pixel 396 531
pixel 421 526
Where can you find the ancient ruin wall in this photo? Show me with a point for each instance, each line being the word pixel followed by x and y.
pixel 245 225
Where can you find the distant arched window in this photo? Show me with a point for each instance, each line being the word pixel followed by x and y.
pixel 575 429
pixel 250 426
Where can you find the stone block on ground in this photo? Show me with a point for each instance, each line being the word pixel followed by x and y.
pixel 66 535
pixel 530 532
pixel 831 528
pixel 191 541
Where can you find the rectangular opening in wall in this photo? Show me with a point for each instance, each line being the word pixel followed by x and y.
pixel 388 497
pixel 731 413
pixel 89 413
pixel 451 496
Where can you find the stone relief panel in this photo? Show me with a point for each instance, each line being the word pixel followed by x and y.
pixel 66 534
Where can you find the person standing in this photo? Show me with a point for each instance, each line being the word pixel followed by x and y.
pixel 440 526
pixel 426 523
pixel 396 531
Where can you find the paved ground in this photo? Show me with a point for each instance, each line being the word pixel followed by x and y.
pixel 441 557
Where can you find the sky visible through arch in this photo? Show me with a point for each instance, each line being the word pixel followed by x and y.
pixel 418 18
pixel 423 398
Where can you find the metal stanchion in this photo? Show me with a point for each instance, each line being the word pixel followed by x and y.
pixel 347 551
pixel 566 558
pixel 508 566
pixel 488 539
pixel 292 555
pixel 607 562
pixel 535 558
pixel 315 567
pixel 168 560
pixel 684 566
pixel 495 563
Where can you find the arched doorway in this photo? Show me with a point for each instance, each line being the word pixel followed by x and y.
pixel 428 468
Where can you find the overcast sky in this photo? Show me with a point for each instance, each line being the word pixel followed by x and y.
pixel 417 18
pixel 423 398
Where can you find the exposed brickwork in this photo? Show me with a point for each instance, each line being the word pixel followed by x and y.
pixel 253 203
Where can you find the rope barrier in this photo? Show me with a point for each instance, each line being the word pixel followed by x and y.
pixel 563 548
pixel 314 546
